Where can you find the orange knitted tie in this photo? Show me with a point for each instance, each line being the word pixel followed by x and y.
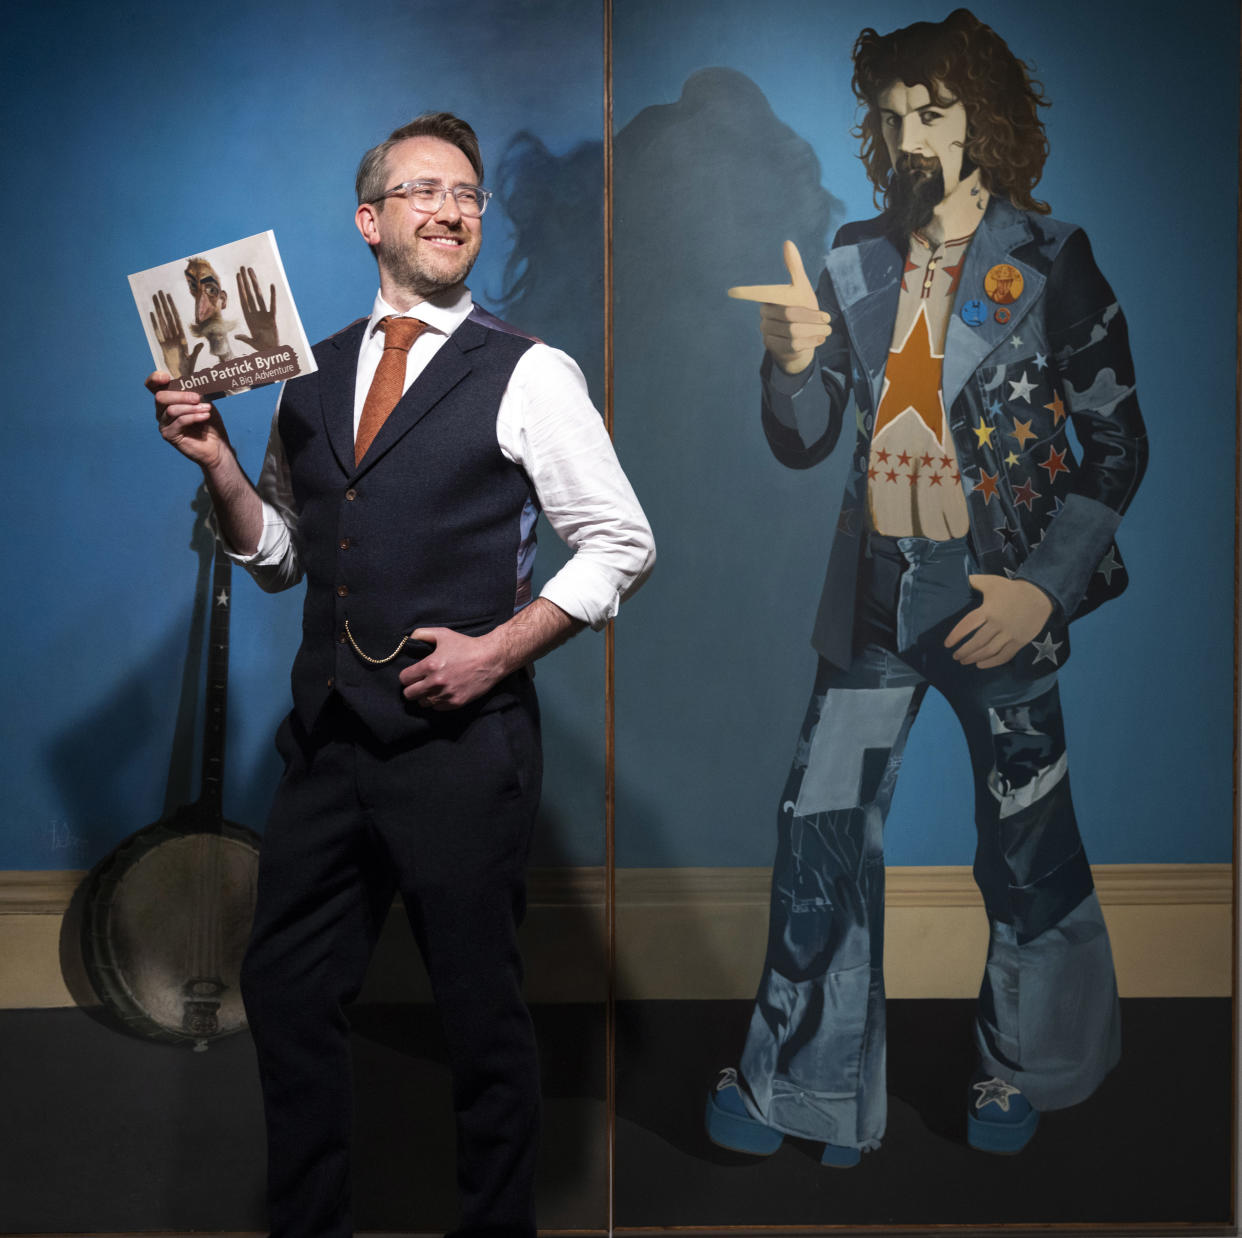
pixel 389 380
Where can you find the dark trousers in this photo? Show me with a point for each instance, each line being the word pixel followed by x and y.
pixel 446 820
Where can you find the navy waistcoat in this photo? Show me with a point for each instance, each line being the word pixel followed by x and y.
pixel 423 533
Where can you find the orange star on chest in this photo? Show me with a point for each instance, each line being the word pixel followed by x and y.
pixel 912 381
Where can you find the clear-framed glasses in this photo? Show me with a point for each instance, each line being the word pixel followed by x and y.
pixel 428 196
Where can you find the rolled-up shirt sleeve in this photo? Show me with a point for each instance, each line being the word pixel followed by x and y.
pixel 548 426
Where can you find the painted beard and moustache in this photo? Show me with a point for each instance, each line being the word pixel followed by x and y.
pixel 914 192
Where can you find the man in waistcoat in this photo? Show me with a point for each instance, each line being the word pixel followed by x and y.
pixel 403 480
pixel 949 346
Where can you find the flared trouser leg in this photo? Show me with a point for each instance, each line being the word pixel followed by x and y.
pixel 814 1058
pixel 1048 1018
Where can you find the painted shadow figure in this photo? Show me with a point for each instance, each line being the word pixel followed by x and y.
pixel 966 330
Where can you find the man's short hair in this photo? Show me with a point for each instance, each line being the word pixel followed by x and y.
pixel 959 60
pixel 370 182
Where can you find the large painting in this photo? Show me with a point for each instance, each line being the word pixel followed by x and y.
pixel 901 470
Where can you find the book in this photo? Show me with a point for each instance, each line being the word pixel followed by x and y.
pixel 223 320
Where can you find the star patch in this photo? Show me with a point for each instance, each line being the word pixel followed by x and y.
pixel 1026 494
pixel 987 484
pixel 1022 431
pixel 995 1092
pixel 1055 463
pixel 955 274
pixel 1046 649
pixel 1021 390
pixel 912 381
pixel 1109 564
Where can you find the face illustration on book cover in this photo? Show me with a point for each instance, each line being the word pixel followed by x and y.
pixel 223 320
pixel 208 324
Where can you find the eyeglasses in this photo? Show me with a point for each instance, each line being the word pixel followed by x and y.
pixel 428 196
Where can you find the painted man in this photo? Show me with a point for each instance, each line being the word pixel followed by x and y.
pixel 949 347
pixel 403 480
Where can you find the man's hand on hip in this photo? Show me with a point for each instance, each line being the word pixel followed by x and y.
pixel 461 668
pixel 1012 613
pixel 790 320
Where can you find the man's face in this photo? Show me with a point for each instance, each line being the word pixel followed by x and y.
pixel 925 142
pixel 423 252
pixel 204 285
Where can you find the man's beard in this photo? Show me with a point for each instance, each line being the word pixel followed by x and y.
pixel 416 277
pixel 914 192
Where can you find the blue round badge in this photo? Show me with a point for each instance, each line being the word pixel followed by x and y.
pixel 974 313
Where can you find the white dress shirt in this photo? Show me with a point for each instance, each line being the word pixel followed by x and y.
pixel 547 426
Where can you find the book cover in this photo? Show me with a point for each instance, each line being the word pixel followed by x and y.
pixel 223 320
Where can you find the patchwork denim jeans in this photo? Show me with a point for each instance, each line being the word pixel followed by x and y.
pixel 1047 1022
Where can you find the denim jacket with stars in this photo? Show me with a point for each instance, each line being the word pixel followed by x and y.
pixel 1060 358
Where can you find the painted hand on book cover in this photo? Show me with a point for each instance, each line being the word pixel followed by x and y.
pixel 790 319
pixel 260 319
pixel 166 323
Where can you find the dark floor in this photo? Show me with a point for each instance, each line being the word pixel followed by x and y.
pixel 103 1132
pixel 106 1133
pixel 1153 1146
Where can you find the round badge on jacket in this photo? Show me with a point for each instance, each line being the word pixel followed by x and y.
pixel 974 313
pixel 1003 283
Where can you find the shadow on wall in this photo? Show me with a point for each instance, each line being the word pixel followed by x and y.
pixel 98 796
pixel 706 190
pixel 554 275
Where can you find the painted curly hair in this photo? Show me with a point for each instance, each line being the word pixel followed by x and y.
pixel 959 60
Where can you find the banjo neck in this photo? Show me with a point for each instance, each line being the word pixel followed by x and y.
pixel 211 794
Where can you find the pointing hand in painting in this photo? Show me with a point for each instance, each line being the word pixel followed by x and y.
pixel 790 319
pixel 1012 613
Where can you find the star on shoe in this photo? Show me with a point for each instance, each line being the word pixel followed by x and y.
pixel 994 1092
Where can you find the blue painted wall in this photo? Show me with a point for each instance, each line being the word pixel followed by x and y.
pixel 713 662
pixel 135 134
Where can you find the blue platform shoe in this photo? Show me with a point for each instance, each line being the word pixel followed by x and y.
pixel 730 1125
pixel 998 1117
